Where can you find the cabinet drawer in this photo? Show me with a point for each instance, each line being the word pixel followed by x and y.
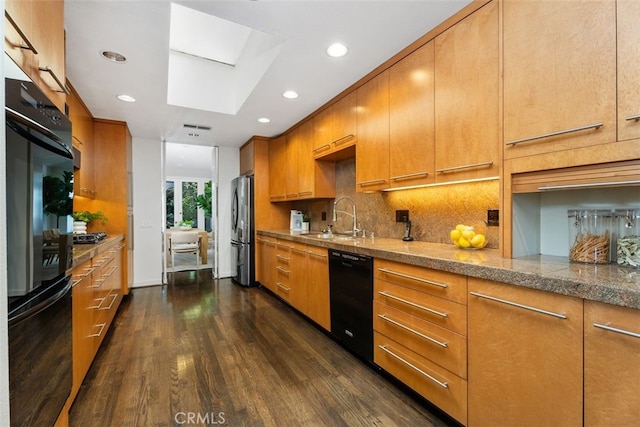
pixel 437 344
pixel 442 388
pixel 440 311
pixel 434 282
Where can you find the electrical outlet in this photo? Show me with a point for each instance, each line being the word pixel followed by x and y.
pixel 402 216
pixel 324 216
pixel 493 217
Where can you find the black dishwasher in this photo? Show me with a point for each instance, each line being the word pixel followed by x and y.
pixel 351 297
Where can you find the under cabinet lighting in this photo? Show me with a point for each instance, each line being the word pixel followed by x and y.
pixel 441 184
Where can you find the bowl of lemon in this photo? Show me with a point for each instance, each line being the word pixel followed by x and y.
pixel 468 236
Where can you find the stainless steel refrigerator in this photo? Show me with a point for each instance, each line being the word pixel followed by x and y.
pixel 242 231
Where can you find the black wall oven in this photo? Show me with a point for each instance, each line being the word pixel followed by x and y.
pixel 39 196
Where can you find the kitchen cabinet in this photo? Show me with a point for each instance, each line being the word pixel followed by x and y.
pixel 34 39
pixel 420 325
pixel 611 365
pixel 335 129
pixel 372 151
pixel 467 93
pixel 298 296
pixel 283 271
pixel 411 119
pixel 560 77
pixel 318 308
pixel 525 356
pixel 628 67
pixel 266 258
pixel 84 306
pixel 277 169
pixel 82 137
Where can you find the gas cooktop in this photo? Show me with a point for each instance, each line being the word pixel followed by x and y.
pixel 88 237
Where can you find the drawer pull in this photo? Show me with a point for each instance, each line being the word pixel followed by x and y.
pixel 440 383
pixel 408 176
pixel 560 132
pixel 322 147
pixel 619 331
pixel 372 182
pixel 115 297
pixel 318 255
pixel 413 304
pixel 300 251
pixel 282 258
pixel 342 140
pixel 586 185
pixel 292 195
pixel 113 269
pixel 282 270
pixel 413 331
pixel 281 286
pixel 634 117
pixel 515 304
pixel 418 279
pixel 88 272
pixel 99 306
pixel 102 325
pixel 100 281
pixel 75 282
pixel 457 168
pixel 305 193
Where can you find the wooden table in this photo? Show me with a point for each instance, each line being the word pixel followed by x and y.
pixel 204 241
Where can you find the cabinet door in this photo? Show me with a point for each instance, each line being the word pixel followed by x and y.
pixel 82 133
pixel 48 37
pixel 343 122
pixel 298 278
pixel 411 119
pixel 322 133
pixel 277 171
pixel 372 153
pixel 306 164
pixel 628 69
pixel 466 98
pixel 291 165
pixel 318 286
pixel 559 75
pixel 525 356
pixel 611 365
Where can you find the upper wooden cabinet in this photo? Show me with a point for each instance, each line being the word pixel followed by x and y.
pixel 34 39
pixel 334 133
pixel 628 69
pixel 411 119
pixel 467 88
pixel 82 133
pixel 372 151
pixel 560 75
pixel 277 170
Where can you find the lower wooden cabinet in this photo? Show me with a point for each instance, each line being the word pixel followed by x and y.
pixel 525 356
pixel 318 286
pixel 611 365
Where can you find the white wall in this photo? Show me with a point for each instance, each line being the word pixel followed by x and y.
pixel 148 222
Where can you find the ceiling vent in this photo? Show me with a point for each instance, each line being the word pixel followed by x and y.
pixel 200 127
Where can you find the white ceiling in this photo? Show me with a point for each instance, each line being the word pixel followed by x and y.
pixel 139 29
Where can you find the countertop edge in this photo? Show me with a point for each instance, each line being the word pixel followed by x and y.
pixel 608 283
pixel 84 252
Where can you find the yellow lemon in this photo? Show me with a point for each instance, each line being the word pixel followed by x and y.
pixel 468 233
pixel 478 241
pixel 464 243
pixel 460 227
pixel 455 235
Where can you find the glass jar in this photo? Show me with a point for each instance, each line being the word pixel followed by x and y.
pixel 590 236
pixel 627 237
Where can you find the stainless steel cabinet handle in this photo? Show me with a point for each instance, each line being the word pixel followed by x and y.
pixel 300 251
pixel 88 272
pixel 111 271
pixel 342 140
pixel 316 254
pixel 457 168
pixel 97 307
pixel 63 88
pixel 413 331
pixel 560 132
pixel 413 304
pixel 282 258
pixel 515 304
pixel 440 383
pixel 322 147
pixel 115 297
pixel 590 185
pixel 282 270
pixel 305 193
pixel 372 182
pixel 619 331
pixel 100 281
pixel 408 176
pixel 281 286
pixel 102 325
pixel 634 117
pixel 417 279
pixel 29 45
pixel 75 282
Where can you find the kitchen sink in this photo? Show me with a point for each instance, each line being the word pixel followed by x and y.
pixel 335 236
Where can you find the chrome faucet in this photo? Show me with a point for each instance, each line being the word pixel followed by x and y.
pixel 352 215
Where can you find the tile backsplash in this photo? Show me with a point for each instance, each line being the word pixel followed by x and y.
pixel 433 211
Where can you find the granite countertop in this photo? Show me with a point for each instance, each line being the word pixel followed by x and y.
pixel 606 283
pixel 84 252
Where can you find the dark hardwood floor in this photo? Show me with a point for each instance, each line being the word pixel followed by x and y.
pixel 207 352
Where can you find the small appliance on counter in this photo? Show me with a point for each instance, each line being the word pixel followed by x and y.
pixel 88 238
pixel 295 223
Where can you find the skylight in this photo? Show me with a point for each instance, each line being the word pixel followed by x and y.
pixel 215 64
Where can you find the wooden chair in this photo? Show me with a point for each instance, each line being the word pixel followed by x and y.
pixel 184 242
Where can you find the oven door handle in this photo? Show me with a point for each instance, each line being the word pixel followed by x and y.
pixel 42 305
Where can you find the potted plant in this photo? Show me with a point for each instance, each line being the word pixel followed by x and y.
pixel 81 220
pixel 306 222
pixel 185 225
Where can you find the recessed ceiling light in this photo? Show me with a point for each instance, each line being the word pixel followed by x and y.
pixel 264 120
pixel 290 94
pixel 337 50
pixel 126 98
pixel 113 56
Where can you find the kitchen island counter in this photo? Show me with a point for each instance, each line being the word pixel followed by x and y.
pixel 608 283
